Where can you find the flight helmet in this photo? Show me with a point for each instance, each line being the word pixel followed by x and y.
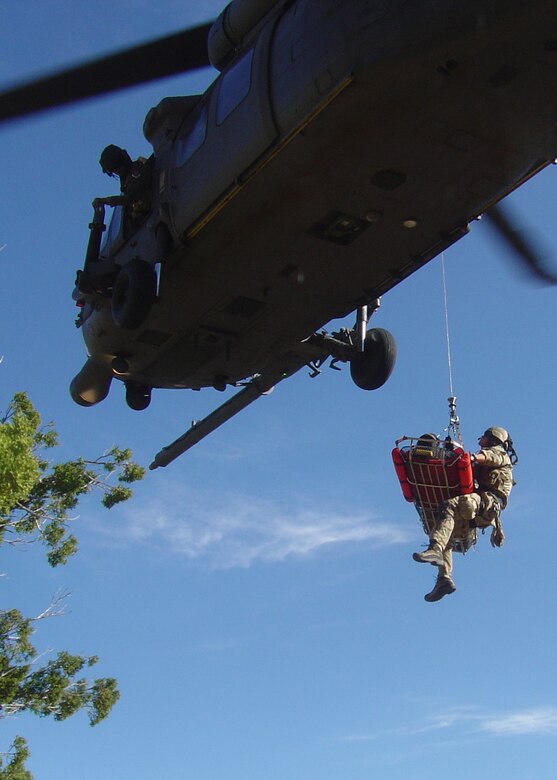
pixel 113 158
pixel 500 434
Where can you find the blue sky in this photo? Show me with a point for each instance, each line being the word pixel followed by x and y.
pixel 257 599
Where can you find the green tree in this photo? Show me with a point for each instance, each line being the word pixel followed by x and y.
pixel 14 769
pixel 53 688
pixel 36 498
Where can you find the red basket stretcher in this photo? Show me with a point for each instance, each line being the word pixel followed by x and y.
pixel 430 471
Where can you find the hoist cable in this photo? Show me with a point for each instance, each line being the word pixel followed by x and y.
pixel 454 422
pixel 447 335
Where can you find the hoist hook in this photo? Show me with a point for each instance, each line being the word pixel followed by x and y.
pixel 454 422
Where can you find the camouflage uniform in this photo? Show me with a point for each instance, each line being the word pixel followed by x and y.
pixel 475 510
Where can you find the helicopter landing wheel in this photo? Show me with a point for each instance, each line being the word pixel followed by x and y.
pixel 371 368
pixel 134 293
pixel 138 396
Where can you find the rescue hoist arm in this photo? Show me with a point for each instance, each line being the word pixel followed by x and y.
pixel 98 274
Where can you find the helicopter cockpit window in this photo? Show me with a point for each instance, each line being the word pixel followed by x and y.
pixel 113 231
pixel 234 87
pixel 185 147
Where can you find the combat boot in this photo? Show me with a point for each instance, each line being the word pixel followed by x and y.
pixel 443 587
pixel 433 555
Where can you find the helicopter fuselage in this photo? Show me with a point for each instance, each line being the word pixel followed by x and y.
pixel 346 144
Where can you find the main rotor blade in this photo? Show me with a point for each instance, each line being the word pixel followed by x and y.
pixel 524 246
pixel 177 53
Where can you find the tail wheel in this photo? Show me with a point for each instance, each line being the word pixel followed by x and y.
pixel 133 295
pixel 371 368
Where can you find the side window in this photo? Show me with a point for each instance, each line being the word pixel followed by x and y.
pixel 185 147
pixel 234 87
pixel 113 231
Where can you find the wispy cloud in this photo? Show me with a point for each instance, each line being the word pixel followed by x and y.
pixel 534 721
pixel 469 721
pixel 431 723
pixel 237 531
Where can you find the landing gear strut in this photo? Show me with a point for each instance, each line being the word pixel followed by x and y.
pixel 371 353
pixel 363 314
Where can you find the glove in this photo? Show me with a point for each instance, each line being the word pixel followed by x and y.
pixel 497 537
pixel 113 200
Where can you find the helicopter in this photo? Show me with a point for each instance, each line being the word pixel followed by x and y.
pixel 342 146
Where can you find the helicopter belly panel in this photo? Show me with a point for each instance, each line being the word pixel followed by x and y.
pixel 359 200
pixel 359 167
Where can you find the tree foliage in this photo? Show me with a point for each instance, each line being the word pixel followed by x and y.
pixel 36 499
pixel 14 769
pixel 53 688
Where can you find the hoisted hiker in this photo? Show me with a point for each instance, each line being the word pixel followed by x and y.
pixel 493 473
